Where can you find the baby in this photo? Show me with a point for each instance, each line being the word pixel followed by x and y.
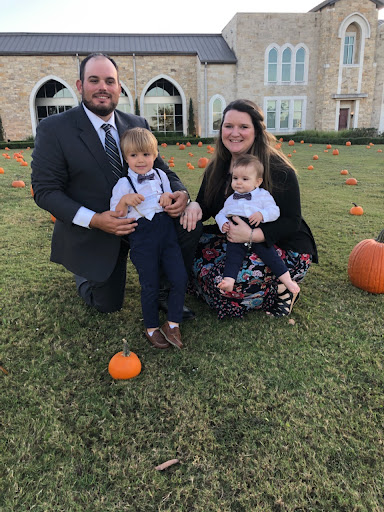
pixel 254 205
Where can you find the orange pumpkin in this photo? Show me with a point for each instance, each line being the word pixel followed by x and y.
pixel 124 365
pixel 348 143
pixel 344 172
pixel 188 144
pixel 310 167
pixel 24 163
pixel 301 142
pixel 202 162
pixel 335 152
pixel 351 181
pixel 356 210
pixel 18 184
pixel 289 155
pixel 329 146
pixel 53 219
pixel 199 144
pixel 171 164
pixel 366 265
pixel 379 150
pixel 291 143
pixel 181 146
pixel 32 192
pixel 1 170
pixel 315 157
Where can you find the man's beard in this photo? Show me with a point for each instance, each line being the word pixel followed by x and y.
pixel 100 110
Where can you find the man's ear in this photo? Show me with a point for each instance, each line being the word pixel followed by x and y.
pixel 79 85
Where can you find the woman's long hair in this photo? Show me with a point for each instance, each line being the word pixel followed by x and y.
pixel 263 147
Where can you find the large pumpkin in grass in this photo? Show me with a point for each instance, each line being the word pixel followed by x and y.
pixel 366 265
pixel 202 162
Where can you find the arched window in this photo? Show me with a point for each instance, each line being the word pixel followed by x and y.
pixel 286 65
pixel 124 102
pixel 216 107
pixel 163 107
pixel 52 98
pixel 300 63
pixel 272 65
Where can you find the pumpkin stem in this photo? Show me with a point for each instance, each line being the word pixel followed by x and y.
pixel 126 351
pixel 380 238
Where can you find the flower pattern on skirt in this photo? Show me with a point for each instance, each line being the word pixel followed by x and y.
pixel 255 287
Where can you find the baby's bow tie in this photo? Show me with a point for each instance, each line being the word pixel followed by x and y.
pixel 247 196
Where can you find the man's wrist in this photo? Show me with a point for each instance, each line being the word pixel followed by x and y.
pixel 187 194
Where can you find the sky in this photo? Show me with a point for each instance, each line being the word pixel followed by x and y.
pixel 135 16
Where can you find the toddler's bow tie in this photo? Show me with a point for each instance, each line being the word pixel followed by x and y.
pixel 247 196
pixel 143 177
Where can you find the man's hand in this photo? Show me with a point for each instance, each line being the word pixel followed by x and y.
pixel 179 205
pixel 191 216
pixel 110 223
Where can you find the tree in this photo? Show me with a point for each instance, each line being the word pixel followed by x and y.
pixel 137 110
pixel 191 120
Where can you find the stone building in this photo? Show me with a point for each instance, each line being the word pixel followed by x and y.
pixel 318 70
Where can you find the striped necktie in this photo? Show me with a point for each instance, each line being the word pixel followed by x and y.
pixel 112 151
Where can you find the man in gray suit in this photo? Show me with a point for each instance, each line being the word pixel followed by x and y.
pixel 72 178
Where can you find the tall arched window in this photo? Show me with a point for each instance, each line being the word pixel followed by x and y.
pixel 299 66
pixel 124 102
pixel 286 65
pixel 52 98
pixel 216 107
pixel 163 107
pixel 272 65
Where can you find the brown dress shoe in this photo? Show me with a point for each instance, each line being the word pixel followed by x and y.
pixel 157 339
pixel 173 336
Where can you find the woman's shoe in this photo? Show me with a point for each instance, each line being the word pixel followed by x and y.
pixel 284 303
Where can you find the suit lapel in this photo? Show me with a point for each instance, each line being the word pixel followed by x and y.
pixel 92 141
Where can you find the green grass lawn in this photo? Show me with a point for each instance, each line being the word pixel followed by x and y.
pixel 263 415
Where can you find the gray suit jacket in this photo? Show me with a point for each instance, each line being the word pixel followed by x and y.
pixel 70 169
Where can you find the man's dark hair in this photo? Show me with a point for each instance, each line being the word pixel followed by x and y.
pixel 92 56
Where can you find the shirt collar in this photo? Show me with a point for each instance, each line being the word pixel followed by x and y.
pixel 96 121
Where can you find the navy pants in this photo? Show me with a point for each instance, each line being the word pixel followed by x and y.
pixel 154 246
pixel 236 253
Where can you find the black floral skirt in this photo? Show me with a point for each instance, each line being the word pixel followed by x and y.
pixel 255 287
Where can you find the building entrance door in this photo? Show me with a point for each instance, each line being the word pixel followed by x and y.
pixel 343 118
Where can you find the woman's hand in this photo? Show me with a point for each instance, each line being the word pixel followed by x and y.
pixel 191 216
pixel 240 232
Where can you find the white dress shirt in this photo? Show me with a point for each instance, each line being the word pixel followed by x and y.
pixel 261 201
pixel 150 189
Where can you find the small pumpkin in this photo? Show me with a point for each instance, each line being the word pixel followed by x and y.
pixel 181 146
pixel 348 143
pixel 188 144
pixel 18 184
pixel 351 181
pixel 1 170
pixel 124 365
pixel 202 162
pixel 291 143
pixel 289 155
pixel 24 163
pixel 32 192
pixel 356 210
pixel 315 157
pixel 301 142
pixel 53 218
pixel 379 150
pixel 310 167
pixel 344 172
pixel 199 144
pixel 366 265
pixel 335 152
pixel 329 146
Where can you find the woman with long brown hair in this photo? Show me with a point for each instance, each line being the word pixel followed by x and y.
pixel 243 131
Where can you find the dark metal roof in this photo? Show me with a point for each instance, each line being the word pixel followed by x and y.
pixel 210 48
pixel 379 4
